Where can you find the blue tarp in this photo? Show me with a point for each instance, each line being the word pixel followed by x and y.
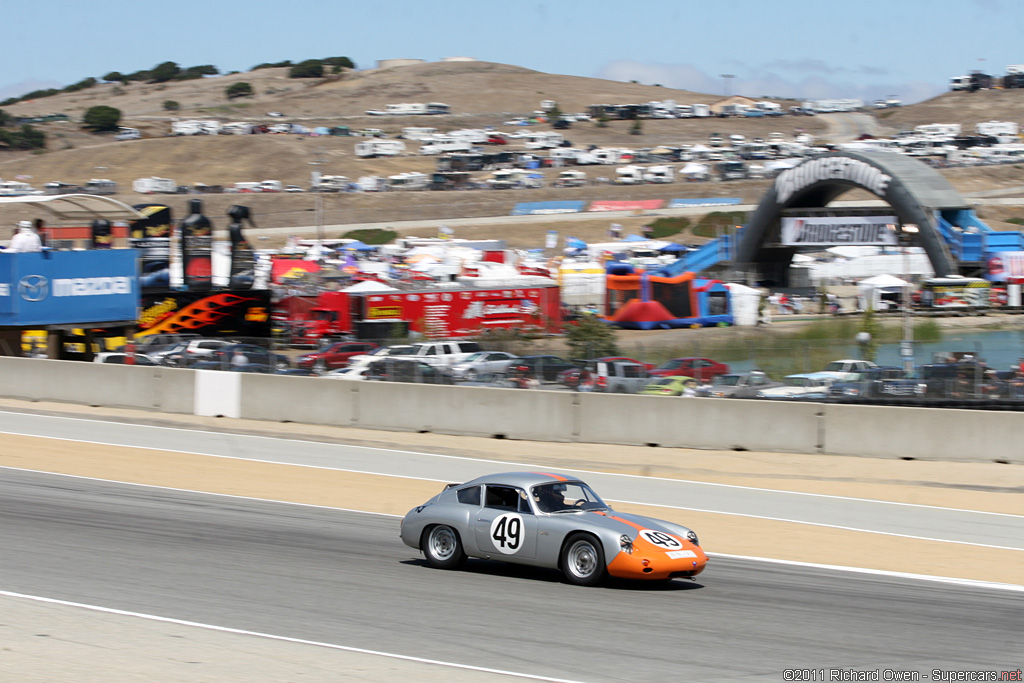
pixel 634 238
pixel 703 201
pixel 535 208
pixel 358 246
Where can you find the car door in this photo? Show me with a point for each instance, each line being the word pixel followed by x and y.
pixel 505 528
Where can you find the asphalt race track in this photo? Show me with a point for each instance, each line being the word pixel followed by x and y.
pixel 342 577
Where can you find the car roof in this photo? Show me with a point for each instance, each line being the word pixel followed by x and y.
pixel 520 479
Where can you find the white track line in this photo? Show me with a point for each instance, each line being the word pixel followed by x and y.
pixel 449 457
pixel 300 641
pixel 795 563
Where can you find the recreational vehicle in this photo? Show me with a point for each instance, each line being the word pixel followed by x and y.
pixel 418 132
pixel 128 134
pixel 193 127
pixel 612 155
pixel 571 179
pixel 514 178
pixel 701 111
pixel 731 170
pixel 376 147
pixel 629 175
pixel 100 186
pixel 411 180
pixel 660 174
pixel 331 183
pixel 60 188
pixel 151 185
pixel 443 143
pixel 543 140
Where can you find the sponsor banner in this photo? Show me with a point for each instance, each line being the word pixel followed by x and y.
pixel 68 287
pixel 703 201
pixel 237 313
pixel 541 208
pixel 835 230
pixel 282 269
pixel 631 205
pixel 152 237
pixel 1004 265
pixel 813 171
pixel 466 313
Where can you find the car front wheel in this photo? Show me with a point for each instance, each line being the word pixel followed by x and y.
pixel 443 548
pixel 583 560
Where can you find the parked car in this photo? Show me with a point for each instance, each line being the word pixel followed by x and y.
pixel 335 356
pixel 699 368
pixel 407 370
pixel 118 358
pixel 482 363
pixel 738 385
pixel 257 368
pixel 848 370
pixel 810 386
pixel 548 520
pixel 255 355
pixel 671 386
pixel 350 373
pixel 543 368
pixel 583 373
pixel 188 352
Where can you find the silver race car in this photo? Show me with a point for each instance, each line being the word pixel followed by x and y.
pixel 548 520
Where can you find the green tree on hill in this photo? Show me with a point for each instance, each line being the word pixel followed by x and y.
pixel 25 137
pixel 115 77
pixel 102 118
pixel 166 71
pixel 194 72
pixel 591 337
pixel 171 105
pixel 339 63
pixel 240 89
pixel 310 68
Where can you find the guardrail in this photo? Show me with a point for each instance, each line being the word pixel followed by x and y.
pixel 707 423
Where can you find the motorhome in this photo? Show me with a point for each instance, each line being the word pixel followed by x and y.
pixel 663 110
pixel 60 188
pixel 271 186
pixel 440 144
pixel 543 140
pixel 236 128
pixel 660 174
pixel 100 186
pixel 939 129
pixel 331 183
pixel 571 179
pixel 246 186
pixel 770 108
pixel 376 147
pixel 733 109
pixel 418 132
pixel 684 111
pixel 154 184
pixel 371 183
pixel 565 155
pixel 731 170
pixel 754 150
pixel 474 135
pixel 997 129
pixel 716 140
pixel 437 108
pixel 194 127
pixel 960 83
pixel 612 155
pixel 701 111
pixel 513 178
pixel 411 180
pixel 629 175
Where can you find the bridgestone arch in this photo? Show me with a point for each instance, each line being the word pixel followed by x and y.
pixel 913 190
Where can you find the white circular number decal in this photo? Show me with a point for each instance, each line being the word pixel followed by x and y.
pixel 507 533
pixel 661 539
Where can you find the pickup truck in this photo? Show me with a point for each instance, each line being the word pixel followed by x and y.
pixel 442 354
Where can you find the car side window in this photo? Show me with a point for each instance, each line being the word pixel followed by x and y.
pixel 469 496
pixel 502 498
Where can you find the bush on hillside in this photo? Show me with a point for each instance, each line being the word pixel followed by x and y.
pixel 25 137
pixel 718 222
pixel 240 89
pixel 272 65
pixel 666 226
pixel 102 118
pixel 163 72
pixel 371 235
pixel 171 105
pixel 310 68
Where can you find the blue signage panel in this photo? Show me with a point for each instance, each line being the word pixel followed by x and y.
pixel 703 201
pixel 540 208
pixel 69 287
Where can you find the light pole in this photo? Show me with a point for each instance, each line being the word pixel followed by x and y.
pixel 906 235
pixel 318 201
pixel 725 82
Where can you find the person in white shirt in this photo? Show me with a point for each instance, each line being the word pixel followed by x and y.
pixel 26 239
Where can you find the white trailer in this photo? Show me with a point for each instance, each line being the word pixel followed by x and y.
pixel 195 127
pixel 660 174
pixel 960 83
pixel 443 143
pixel 271 186
pixel 701 110
pixel 411 180
pixel 629 175
pixel 331 183
pixel 563 155
pixel 418 132
pixel 375 147
pixel 154 184
pixel 543 140
pixel 476 136
pixel 612 155
pixel 571 179
pixel 997 128
pixel 939 129
pixel 684 111
pixel 236 128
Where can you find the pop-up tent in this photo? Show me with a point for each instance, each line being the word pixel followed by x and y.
pixel 872 291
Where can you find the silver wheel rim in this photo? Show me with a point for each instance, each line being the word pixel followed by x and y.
pixel 582 559
pixel 442 543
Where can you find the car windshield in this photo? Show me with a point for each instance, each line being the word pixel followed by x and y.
pixel 726 380
pixel 797 382
pixel 479 355
pixel 837 366
pixel 670 365
pixel 568 496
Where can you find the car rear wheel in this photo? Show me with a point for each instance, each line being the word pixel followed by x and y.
pixel 582 560
pixel 443 548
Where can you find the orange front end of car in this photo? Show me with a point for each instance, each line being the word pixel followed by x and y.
pixel 676 558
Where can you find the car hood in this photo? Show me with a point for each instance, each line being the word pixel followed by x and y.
pixel 622 522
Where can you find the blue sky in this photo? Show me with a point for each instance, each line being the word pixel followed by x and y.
pixel 785 48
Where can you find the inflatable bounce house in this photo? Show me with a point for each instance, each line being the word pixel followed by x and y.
pixel 638 300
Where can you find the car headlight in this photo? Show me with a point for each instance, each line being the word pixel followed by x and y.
pixel 626 544
pixel 851 391
pixel 921 389
pixel 692 538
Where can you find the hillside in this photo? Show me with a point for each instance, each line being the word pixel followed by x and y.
pixel 965 108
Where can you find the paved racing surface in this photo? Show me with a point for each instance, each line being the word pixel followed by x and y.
pixel 344 578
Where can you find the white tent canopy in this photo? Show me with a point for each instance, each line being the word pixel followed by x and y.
pixel 79 207
pixel 884 282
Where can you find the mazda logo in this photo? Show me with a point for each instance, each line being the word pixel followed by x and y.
pixel 33 287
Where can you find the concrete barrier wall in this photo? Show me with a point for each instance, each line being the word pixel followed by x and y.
pixel 308 400
pixel 718 423
pixel 923 433
pixel 872 431
pixel 511 413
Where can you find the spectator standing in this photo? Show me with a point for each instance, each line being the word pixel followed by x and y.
pixel 25 239
pixel 239 359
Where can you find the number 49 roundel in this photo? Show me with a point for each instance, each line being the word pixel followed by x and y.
pixel 661 539
pixel 507 533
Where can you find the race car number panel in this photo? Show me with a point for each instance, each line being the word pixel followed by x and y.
pixel 660 539
pixel 508 533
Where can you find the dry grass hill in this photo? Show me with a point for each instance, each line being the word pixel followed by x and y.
pixel 480 93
